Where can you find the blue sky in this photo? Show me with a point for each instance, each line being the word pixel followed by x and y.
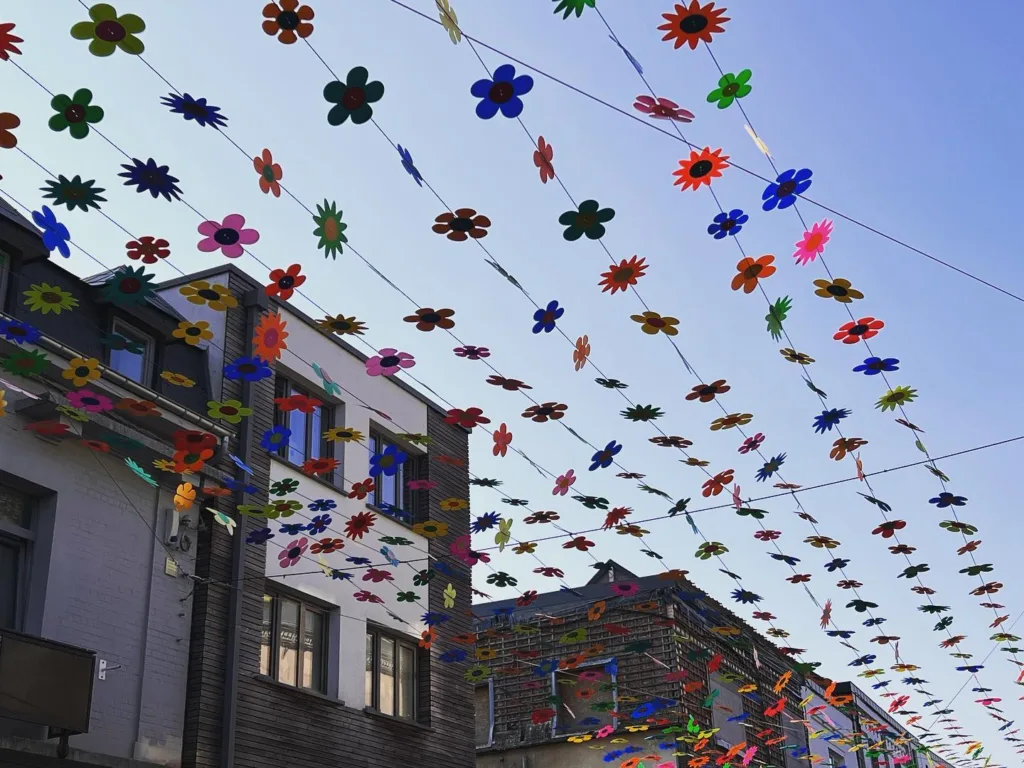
pixel 908 120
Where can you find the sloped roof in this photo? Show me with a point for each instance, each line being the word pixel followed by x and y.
pixel 155 300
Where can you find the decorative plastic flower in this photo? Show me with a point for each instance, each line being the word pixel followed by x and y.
pixel 81 371
pixel 428 318
pixel 692 25
pixel 128 287
pixel 409 165
pixel 449 20
pixel 568 7
pixel 177 379
pixel 285 281
pixel 472 353
pixel 74 113
pixel 827 419
pixel 388 362
pixel 839 289
pixel 638 413
pixel 872 366
pixel 589 219
pixel 228 236
pixel 581 352
pixel 606 457
pixel 542 157
pixel 46 298
pixel 731 87
pixel 288 20
pixel 150 177
pixel 652 323
pixel 710 549
pixel 270 173
pixel 947 499
pixel 192 109
pixel 461 225
pixel 90 402
pixel 796 357
pixel 896 398
pixel 388 462
pixel 541 413
pixel 813 242
pixel 352 99
pixel 782 192
pixel 292 553
pixel 55 234
pixel 750 271
pixel 148 249
pixel 8 41
pixel 231 411
pixel 502 440
pixel 501 93
pixel 662 109
pixel 770 467
pixel 466 417
pixel 74 193
pixel 564 483
pixel 107 31
pixel 727 224
pixel 330 229
pixel 546 318
pixel 621 276
pixel 700 168
pixel 247 369
pixel 8 122
pixel 854 331
pixel 269 337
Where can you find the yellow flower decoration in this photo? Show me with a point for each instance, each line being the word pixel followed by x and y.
pixel 82 370
pixel 73 413
pixel 726 631
pixel 193 333
pixel 525 548
pixel 343 435
pixel 46 298
pixel 231 411
pixel 628 699
pixel 453 504
pixel 581 739
pixel 748 688
pixel 731 420
pixel 637 728
pixel 184 495
pixel 652 323
pixel 485 654
pixel 217 297
pixel 449 21
pixel 431 529
pixel 177 379
pixel 164 465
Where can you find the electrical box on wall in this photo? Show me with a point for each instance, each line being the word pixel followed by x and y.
pixel 172 525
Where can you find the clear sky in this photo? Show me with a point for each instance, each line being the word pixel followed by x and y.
pixel 908 115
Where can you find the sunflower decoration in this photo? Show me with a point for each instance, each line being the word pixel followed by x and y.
pixel 341 325
pixel 838 288
pixel 128 287
pixel 46 298
pixel 621 276
pixel 25 362
pixel 330 229
pixel 74 193
pixel 74 113
pixel 82 370
pixel 693 24
pixel 700 168
pixel 268 338
pixel 796 357
pixel 895 398
pixel 177 379
pixel 215 296
pixel 343 435
pixel 193 333
pixel 449 21
pixel 107 31
pixel 652 323
pixel 288 21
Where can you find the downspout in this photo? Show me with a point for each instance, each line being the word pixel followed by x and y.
pixel 255 302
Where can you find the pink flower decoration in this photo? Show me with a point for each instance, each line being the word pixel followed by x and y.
pixel 376 575
pixel 767 535
pixel 90 402
pixel 472 353
pixel 293 553
pixel 589 674
pixel 563 484
pixel 813 243
pixel 421 485
pixel 365 596
pixel 662 109
pixel 389 362
pixel 228 237
pixel 752 443
pixel 625 590
pixel 462 550
pixel 605 732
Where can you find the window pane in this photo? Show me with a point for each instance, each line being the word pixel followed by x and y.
pixel 387 495
pixel 369 669
pixel 313 652
pixel 287 642
pixel 406 681
pixel 8 584
pixel 387 676
pixel 129 365
pixel 297 442
pixel 15 507
pixel 728 704
pixel 315 430
pixel 265 634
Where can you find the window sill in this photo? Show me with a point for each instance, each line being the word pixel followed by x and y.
pixel 374 508
pixel 300 691
pixel 314 478
pixel 397 720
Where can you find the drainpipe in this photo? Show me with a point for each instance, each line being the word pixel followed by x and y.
pixel 255 302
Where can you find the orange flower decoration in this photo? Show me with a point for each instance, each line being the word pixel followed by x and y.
pixel 268 340
pixel 8 122
pixel 428 637
pixel 502 440
pixel 700 168
pixel 320 466
pixel 622 276
pixel 693 25
pixel 582 352
pixel 542 158
pixel 596 611
pixel 190 460
pixel 270 173
pixel 428 318
pixel 138 407
pixel 717 484
pixel 283 282
pixel 750 271
pixel 288 20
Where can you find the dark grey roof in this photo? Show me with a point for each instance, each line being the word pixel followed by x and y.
pixel 10 213
pixel 155 301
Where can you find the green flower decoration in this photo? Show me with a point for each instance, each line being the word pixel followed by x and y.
pixel 592 502
pixel 933 608
pixel 114 440
pixel 567 7
pixel 1004 637
pixel 415 438
pixel 231 411
pixel 484 482
pixel 330 229
pixel 589 220
pixel 656 491
pixel 912 571
pixel 977 570
pixel 603 706
pixel 284 487
pixel 955 526
pixel 283 508
pixel 143 474
pixel 777 316
pixel 75 113
pixel 74 193
pixel 24 362
pixel 251 510
pixel 353 97
pixel 424 577
pixel 128 287
pixel 108 31
pixel 730 87
pixel 396 541
pixel 896 397
pixel 642 413
pixel 574 636
pixel 710 549
pixel 72 413
pixel 638 646
pixel 757 514
pixel 477 673
pixel 502 579
pixel 525 629
pixel 408 597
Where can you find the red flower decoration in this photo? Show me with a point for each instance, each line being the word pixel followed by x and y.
pixel 359 524
pixel 582 543
pixel 149 249
pixel 526 598
pixel 799 578
pixel 297 403
pixel 763 615
pixel 362 489
pixel 49 428
pixel 320 466
pixel 542 158
pixel 767 535
pixel 554 573
pixel 693 25
pixel 7 41
pixel 377 575
pixel 285 281
pixel 700 168
pixel 365 596
pixel 468 418
pixel 326 546
pixel 888 529
pixel 662 109
pixel 502 440
pixel 191 440
pixel 509 385
pixel 621 276
pixel 852 332
pixel 615 516
pixel 717 484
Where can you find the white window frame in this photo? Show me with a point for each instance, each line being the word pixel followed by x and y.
pixel 588 665
pixel 132 333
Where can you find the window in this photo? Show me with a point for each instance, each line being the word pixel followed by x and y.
pixel 282 656
pixel 593 701
pixel 136 361
pixel 391 674
pixel 15 536
pixel 835 759
pixel 391 494
pixel 307 440
pixel 728 704
pixel 483 700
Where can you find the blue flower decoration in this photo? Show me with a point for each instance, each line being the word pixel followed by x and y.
pixel 770 467
pixel 502 93
pixel 881 684
pixel 241 464
pixel 408 164
pixel 292 529
pixel 787 559
pixel 745 597
pixel 727 224
pixel 485 522
pixel 868 658
pixel 838 564
pixel 782 192
pixel 55 234
pixel 829 419
pixel 233 485
pixel 636 64
pixel 644 710
pixel 503 612
pixel 947 499
pixel 443 568
pixel 319 524
pixel 275 438
pixel 247 369
pixel 873 622
pixel 845 634
pixel 546 317
pixel 322 505
pixel 339 575
pixel 194 109
pixel 453 656
pixel 604 459
pixel 612 667
pixel 359 560
pixel 432 618
pixel 611 757
pixel 546 667
pixel 19 332
pixel 388 462
pixel 150 177
pixel 873 366
pixel 260 536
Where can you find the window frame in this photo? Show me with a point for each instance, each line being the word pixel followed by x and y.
pixel 400 640
pixel 411 470
pixel 285 386
pixel 489 685
pixel 20 538
pixel 601 663
pixel 726 686
pixel 832 754
pixel 134 333
pixel 304 605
